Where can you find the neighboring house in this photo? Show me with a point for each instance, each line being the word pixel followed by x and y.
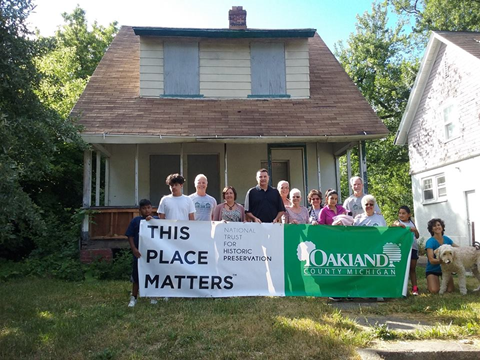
pixel 223 102
pixel 442 127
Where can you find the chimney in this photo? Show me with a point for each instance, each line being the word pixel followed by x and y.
pixel 237 18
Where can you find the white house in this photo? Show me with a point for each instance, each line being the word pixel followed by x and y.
pixel 441 125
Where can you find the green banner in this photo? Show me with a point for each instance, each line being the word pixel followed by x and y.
pixel 346 261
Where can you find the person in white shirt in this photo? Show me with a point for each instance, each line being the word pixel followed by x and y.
pixel 176 206
pixel 353 204
pixel 369 217
pixel 204 203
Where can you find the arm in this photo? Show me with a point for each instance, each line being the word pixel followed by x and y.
pixel 322 217
pixel 134 249
pixel 431 257
pixel 252 217
pixel 279 217
pixel 161 216
pixel 191 216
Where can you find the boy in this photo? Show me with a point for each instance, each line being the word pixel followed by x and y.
pixel 176 206
pixel 145 207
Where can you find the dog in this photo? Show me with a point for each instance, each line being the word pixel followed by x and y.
pixel 456 260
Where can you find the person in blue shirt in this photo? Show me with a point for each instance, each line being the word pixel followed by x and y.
pixel 436 228
pixel 145 208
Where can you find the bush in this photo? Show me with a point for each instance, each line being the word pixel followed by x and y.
pixel 119 268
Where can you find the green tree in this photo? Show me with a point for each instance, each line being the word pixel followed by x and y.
pixel 31 133
pixel 381 61
pixel 447 15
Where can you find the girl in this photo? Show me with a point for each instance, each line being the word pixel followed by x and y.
pixel 405 221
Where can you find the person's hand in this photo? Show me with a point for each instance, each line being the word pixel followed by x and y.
pixel 314 222
pixel 149 217
pixel 136 253
pixel 294 222
pixel 257 220
pixel 413 229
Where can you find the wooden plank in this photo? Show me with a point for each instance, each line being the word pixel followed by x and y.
pixel 214 78
pixel 233 46
pixel 151 69
pixel 298 77
pixel 150 92
pixel 181 70
pixel 268 68
pixel 151 85
pixel 224 55
pixel 290 70
pixel 150 44
pixel 151 62
pixel 155 54
pixel 224 63
pixel 151 77
pixel 225 85
pixel 299 93
pixel 226 93
pixel 296 55
pixel 98 171
pixel 225 70
pixel 297 62
pixel 293 85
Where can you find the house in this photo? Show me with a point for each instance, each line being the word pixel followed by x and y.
pixel 223 102
pixel 441 125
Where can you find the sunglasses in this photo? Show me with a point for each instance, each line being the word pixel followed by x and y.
pixel 369 204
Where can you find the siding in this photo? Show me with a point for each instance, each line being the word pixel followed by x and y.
pixel 151 67
pixel 454 76
pixel 225 69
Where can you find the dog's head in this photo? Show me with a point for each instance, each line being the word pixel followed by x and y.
pixel 445 253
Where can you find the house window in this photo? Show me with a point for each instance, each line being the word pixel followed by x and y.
pixel 268 69
pixel 181 69
pixel 451 121
pixel 434 188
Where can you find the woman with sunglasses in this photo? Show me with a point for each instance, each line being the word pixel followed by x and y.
pixel 369 217
pixel 315 200
pixel 296 214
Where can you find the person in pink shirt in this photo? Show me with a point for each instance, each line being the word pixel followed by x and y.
pixel 331 209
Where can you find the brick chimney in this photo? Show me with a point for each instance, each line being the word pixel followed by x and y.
pixel 237 18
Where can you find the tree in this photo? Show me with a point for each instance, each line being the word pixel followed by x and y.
pixel 31 133
pixel 381 61
pixel 446 15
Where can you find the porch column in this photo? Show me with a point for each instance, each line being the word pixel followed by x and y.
pixel 363 165
pixel 181 159
pixel 349 170
pixel 87 191
pixel 225 160
pixel 337 178
pixel 106 200
pixel 319 173
pixel 98 171
pixel 136 175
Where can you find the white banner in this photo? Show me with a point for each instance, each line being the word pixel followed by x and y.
pixel 210 259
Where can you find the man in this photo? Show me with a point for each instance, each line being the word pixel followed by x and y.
pixel 353 203
pixel 263 203
pixel 204 203
pixel 176 206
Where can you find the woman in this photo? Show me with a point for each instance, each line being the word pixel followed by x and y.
pixel 331 209
pixel 283 188
pixel 369 217
pixel 296 214
pixel 229 210
pixel 433 271
pixel 315 200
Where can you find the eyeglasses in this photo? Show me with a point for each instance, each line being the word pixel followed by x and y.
pixel 369 204
pixel 315 199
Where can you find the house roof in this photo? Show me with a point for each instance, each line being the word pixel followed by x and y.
pixel 111 110
pixel 468 42
pixel 224 33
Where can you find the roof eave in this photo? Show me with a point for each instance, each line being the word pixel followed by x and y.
pixel 224 33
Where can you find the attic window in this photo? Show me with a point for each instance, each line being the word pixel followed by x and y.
pixel 181 74
pixel 451 121
pixel 268 72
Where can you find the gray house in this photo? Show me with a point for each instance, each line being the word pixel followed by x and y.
pixel 441 125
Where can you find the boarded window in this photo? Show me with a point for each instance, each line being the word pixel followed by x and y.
pixel 181 68
pixel 209 165
pixel 268 68
pixel 160 167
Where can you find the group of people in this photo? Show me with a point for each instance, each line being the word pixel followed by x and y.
pixel 265 204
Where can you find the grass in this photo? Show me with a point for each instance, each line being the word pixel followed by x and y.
pixel 46 319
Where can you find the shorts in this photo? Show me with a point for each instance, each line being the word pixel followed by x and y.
pixel 433 273
pixel 414 255
pixel 134 277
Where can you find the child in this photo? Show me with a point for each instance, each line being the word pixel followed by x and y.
pixel 405 221
pixel 176 206
pixel 145 207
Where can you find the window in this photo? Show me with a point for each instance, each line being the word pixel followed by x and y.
pixel 451 121
pixel 181 69
pixel 268 69
pixel 434 188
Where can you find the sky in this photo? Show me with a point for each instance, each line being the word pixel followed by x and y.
pixel 334 20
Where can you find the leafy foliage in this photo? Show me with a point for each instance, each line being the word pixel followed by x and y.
pixel 381 61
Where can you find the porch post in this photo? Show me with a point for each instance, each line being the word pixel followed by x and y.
pixel 319 173
pixel 181 159
pixel 87 192
pixel 98 171
pixel 337 178
pixel 349 170
pixel 225 159
pixel 136 175
pixel 363 165
pixel 106 200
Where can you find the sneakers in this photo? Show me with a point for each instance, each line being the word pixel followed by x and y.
pixel 336 299
pixel 153 301
pixel 133 301
pixel 415 291
pixel 380 299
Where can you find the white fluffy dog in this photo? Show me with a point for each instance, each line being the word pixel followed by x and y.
pixel 457 259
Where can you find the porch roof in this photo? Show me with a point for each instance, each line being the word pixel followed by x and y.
pixel 111 110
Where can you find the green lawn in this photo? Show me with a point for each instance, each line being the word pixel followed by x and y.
pixel 41 319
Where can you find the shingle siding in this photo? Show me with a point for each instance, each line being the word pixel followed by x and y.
pixel 455 76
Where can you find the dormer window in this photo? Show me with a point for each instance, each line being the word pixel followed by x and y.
pixel 451 121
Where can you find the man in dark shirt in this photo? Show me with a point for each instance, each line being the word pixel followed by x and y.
pixel 263 203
